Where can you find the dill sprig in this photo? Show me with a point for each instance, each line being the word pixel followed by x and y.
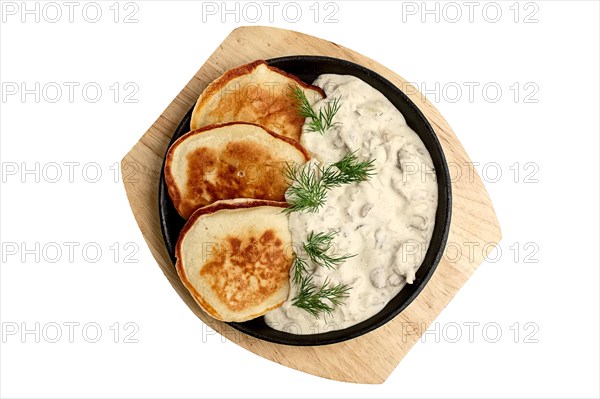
pixel 318 246
pixel 347 170
pixel 304 108
pixel 311 298
pixel 308 185
pixel 316 300
pixel 299 269
pixel 319 122
pixel 306 190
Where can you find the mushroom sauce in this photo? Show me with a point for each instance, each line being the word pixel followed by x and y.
pixel 386 221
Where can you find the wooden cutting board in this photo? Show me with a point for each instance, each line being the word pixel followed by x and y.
pixel 372 357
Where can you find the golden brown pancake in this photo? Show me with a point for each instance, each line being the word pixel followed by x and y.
pixel 256 93
pixel 234 160
pixel 234 257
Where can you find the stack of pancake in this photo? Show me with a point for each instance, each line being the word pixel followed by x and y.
pixel 225 178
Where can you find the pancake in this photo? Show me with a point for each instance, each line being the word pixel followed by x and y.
pixel 255 93
pixel 234 257
pixel 234 160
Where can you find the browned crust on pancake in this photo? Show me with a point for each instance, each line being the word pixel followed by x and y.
pixel 246 69
pixel 239 72
pixel 297 79
pixel 206 210
pixel 172 188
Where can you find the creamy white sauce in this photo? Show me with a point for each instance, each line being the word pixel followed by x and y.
pixel 387 221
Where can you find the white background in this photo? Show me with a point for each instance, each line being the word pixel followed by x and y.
pixel 547 274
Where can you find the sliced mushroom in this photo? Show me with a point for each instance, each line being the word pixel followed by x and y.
pixel 378 277
pixel 395 279
pixel 337 140
pixel 401 157
pixel 418 222
pixel 379 238
pixel 365 209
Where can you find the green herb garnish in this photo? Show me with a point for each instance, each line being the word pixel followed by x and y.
pixel 311 298
pixel 317 248
pixel 318 122
pixel 308 185
pixel 306 190
pixel 299 269
pixel 347 170
pixel 318 300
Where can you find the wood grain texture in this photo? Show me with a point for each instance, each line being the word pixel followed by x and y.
pixel 372 357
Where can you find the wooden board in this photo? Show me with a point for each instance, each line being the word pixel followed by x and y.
pixel 372 357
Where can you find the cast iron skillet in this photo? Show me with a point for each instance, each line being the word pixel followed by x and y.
pixel 308 68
